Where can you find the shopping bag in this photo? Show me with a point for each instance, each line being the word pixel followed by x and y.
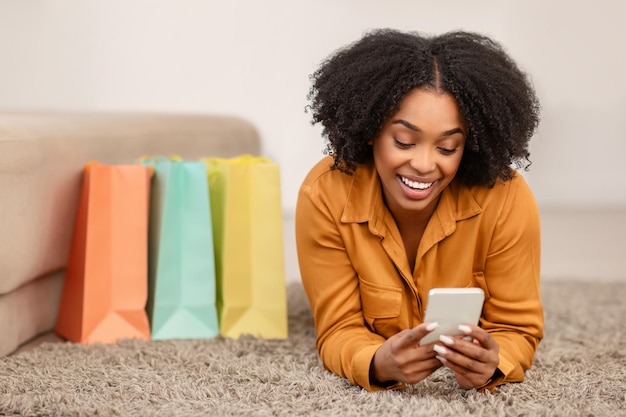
pixel 181 298
pixel 248 239
pixel 106 281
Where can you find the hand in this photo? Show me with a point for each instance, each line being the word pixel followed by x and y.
pixel 473 362
pixel 402 359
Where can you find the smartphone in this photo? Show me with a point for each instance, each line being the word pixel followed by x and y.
pixel 450 307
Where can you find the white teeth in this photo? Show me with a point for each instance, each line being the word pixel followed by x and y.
pixel 416 185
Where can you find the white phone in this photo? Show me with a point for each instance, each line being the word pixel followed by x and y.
pixel 450 307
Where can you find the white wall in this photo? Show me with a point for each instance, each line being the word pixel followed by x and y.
pixel 252 58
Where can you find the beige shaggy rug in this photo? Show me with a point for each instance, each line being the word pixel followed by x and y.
pixel 580 370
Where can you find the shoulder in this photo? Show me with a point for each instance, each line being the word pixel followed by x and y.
pixel 322 179
pixel 514 190
pixel 321 169
pixel 339 192
pixel 509 202
pixel 509 199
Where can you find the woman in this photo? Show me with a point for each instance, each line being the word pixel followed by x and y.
pixel 418 192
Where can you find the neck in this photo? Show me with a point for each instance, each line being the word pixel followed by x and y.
pixel 412 218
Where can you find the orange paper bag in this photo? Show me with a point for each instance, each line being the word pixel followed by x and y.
pixel 106 281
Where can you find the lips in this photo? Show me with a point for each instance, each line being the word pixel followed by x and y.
pixel 416 185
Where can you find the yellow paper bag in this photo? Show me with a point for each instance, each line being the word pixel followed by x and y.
pixel 248 241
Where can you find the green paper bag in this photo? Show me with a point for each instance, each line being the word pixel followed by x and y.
pixel 182 293
pixel 248 239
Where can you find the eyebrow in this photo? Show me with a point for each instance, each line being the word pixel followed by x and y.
pixel 417 129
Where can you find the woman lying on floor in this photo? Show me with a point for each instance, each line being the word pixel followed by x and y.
pixel 418 192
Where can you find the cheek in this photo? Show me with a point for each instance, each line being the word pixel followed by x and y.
pixel 451 165
pixel 386 158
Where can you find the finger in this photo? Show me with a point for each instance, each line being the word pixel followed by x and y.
pixel 473 350
pixel 421 370
pixel 427 365
pixel 467 378
pixel 468 373
pixel 459 362
pixel 479 334
pixel 413 336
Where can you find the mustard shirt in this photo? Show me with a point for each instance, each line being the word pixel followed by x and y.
pixel 361 290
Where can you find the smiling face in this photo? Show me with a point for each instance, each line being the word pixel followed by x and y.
pixel 418 152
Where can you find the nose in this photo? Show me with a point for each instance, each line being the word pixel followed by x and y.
pixel 423 161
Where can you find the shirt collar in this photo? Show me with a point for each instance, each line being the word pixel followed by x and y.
pixel 365 202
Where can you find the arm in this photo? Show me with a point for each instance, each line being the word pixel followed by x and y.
pixel 346 346
pixel 511 326
pixel 513 314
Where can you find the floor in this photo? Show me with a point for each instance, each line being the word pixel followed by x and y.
pixel 45 338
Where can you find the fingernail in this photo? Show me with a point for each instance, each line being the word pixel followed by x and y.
pixel 432 326
pixel 465 329
pixel 441 358
pixel 440 349
pixel 447 340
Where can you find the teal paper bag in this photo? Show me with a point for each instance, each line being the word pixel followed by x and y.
pixel 181 290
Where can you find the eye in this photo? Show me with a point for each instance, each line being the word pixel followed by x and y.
pixel 401 145
pixel 447 151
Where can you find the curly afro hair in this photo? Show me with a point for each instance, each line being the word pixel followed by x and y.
pixel 360 86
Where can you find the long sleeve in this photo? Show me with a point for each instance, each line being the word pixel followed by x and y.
pixel 513 313
pixel 346 346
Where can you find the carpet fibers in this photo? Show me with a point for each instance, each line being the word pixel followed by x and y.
pixel 580 370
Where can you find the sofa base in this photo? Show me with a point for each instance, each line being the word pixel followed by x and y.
pixel 29 311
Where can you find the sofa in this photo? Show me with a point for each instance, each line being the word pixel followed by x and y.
pixel 42 154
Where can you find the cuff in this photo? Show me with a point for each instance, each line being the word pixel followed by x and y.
pixel 506 371
pixel 496 379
